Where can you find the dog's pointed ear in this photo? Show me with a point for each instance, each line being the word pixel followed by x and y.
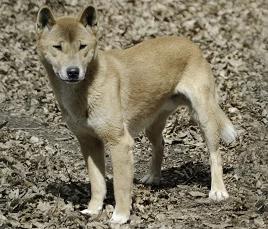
pixel 45 20
pixel 89 18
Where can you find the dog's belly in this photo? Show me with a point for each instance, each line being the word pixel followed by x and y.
pixel 136 124
pixel 134 128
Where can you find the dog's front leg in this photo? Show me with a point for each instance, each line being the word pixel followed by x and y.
pixel 122 160
pixel 93 153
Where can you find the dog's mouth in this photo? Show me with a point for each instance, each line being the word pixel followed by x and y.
pixel 72 81
pixel 69 80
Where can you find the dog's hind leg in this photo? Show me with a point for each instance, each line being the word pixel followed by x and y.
pixel 154 134
pixel 206 115
pixel 213 123
pixel 93 153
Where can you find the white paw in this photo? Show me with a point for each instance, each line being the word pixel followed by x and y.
pixel 86 212
pixel 151 179
pixel 218 195
pixel 119 219
pixel 90 212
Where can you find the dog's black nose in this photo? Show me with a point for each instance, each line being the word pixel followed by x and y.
pixel 73 73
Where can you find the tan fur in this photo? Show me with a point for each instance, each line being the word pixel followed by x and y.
pixel 108 97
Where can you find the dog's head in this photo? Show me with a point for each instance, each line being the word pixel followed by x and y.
pixel 67 44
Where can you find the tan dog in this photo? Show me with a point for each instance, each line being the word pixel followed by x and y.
pixel 107 97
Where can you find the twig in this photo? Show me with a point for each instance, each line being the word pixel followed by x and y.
pixel 63 139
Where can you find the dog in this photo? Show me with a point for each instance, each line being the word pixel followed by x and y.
pixel 108 97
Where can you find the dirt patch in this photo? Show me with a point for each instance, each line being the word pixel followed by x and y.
pixel 43 178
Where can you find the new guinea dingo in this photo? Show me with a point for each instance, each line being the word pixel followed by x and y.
pixel 108 97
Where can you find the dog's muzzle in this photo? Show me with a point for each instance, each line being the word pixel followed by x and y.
pixel 72 74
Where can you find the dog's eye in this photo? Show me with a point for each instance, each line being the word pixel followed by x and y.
pixel 58 47
pixel 82 47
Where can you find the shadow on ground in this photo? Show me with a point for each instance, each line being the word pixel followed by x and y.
pixel 190 174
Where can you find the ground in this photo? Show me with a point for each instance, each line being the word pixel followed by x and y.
pixel 43 178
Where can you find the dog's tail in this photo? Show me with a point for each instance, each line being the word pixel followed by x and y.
pixel 227 131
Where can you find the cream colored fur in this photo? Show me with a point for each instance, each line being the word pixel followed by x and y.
pixel 108 97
